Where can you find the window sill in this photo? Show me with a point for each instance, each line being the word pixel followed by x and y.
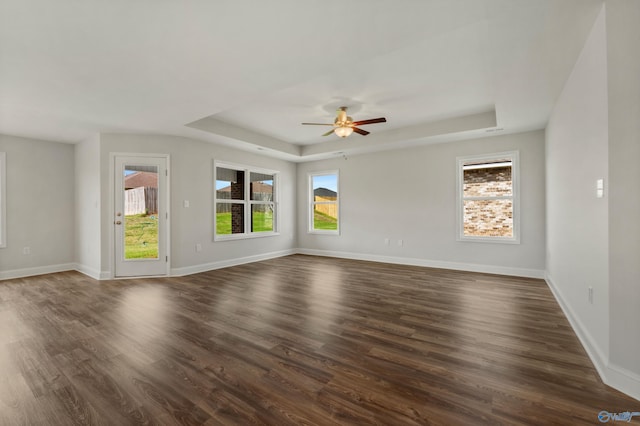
pixel 235 237
pixel 318 232
pixel 491 240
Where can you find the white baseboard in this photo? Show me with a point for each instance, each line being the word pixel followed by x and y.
pixel 92 272
pixel 617 377
pixel 458 266
pixel 188 270
pixel 624 380
pixel 489 269
pixel 597 356
pixel 38 270
pixel 194 269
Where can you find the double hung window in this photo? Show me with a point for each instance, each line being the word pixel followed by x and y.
pixel 324 203
pixel 488 199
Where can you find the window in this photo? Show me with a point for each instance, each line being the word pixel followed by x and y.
pixel 3 200
pixel 488 199
pixel 245 202
pixel 324 203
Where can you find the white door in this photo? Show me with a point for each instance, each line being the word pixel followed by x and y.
pixel 141 216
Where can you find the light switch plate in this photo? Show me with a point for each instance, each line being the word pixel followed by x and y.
pixel 600 188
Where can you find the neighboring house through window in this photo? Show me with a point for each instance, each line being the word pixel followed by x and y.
pixel 245 201
pixel 3 200
pixel 324 203
pixel 488 198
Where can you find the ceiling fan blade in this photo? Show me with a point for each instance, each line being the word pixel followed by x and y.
pixel 371 121
pixel 317 124
pixel 360 131
pixel 328 133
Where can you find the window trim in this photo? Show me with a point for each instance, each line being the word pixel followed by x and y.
pixel 312 202
pixel 247 202
pixel 3 199
pixel 515 183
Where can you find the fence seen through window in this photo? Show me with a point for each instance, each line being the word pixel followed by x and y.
pixel 324 202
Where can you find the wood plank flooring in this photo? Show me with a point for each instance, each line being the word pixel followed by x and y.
pixel 295 340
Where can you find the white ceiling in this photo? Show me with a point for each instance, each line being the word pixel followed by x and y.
pixel 247 73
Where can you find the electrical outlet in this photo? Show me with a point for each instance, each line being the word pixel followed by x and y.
pixel 198 247
pixel 400 243
pixel 26 250
pixel 386 241
pixel 591 295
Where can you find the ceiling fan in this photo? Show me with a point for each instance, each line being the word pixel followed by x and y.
pixel 343 125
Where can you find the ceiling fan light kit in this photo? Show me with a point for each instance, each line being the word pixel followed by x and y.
pixel 343 131
pixel 344 125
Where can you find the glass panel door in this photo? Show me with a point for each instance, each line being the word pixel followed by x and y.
pixel 141 216
pixel 140 186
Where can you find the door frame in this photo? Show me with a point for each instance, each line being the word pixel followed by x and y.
pixel 111 212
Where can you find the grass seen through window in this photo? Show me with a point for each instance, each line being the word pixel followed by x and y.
pixel 262 222
pixel 324 221
pixel 141 236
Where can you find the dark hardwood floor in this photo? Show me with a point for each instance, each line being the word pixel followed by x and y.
pixel 294 340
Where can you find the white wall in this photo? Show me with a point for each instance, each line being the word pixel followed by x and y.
pixel 410 194
pixel 623 39
pixel 593 242
pixel 191 178
pixel 87 195
pixel 577 221
pixel 40 212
